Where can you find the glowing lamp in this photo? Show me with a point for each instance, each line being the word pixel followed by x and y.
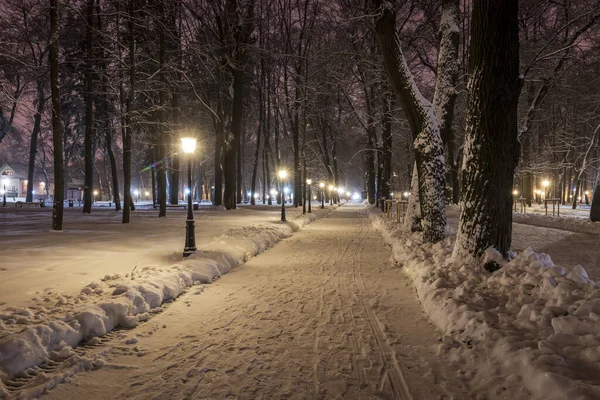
pixel 545 183
pixel 188 144
pixel 309 181
pixel 282 174
pixel 321 185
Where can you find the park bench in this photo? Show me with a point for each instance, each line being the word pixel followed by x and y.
pixel 176 206
pixel 27 204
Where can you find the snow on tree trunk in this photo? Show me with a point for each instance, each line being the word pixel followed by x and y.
pixel 491 144
pixel 429 151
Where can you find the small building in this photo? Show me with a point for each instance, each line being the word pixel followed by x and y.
pixel 13 181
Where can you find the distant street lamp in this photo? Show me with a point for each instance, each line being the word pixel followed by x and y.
pixel 95 193
pixel 515 192
pixel 282 176
pixel 309 182
pixel 136 193
pixel 147 194
pixel 188 145
pixel 330 197
pixel 322 186
pixel 545 184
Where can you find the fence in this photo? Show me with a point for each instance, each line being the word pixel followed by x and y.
pixel 396 209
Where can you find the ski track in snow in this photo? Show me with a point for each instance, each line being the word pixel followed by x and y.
pixel 322 315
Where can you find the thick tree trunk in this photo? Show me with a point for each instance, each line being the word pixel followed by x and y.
pixel 385 183
pixel 233 142
pixel 57 133
pixel 491 144
pixel 88 186
pixel 595 209
pixel 35 133
pixel 429 151
pixel 127 139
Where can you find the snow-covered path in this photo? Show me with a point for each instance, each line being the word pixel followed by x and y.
pixel 323 314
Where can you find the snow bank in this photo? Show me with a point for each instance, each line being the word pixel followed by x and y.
pixel 566 222
pixel 530 330
pixel 31 336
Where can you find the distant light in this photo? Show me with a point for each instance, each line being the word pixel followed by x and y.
pixel 341 190
pixel 406 194
pixel 286 190
pixel 545 183
pixel 283 174
pixel 95 192
pixel 347 193
pixel 136 192
pixel 587 193
pixel 33 192
pixel 314 197
pixel 273 192
pixel 321 185
pixel 515 192
pixel 356 196
pixel 187 191
pixel 330 188
pixel 309 181
pixel 256 195
pixel 147 193
pixel 249 194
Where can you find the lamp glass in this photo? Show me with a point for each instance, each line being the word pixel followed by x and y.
pixel 283 174
pixel 188 144
pixel 321 185
pixel 309 181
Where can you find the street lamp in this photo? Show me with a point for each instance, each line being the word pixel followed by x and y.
pixel 95 194
pixel 136 193
pixel 282 176
pixel 515 192
pixel 545 184
pixel 322 186
pixel 188 145
pixel 330 198
pixel 309 182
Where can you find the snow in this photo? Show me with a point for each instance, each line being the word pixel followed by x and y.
pixel 323 314
pixel 530 330
pixel 49 326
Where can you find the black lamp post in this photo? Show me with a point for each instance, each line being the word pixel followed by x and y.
pixel 189 144
pixel 282 176
pixel 322 187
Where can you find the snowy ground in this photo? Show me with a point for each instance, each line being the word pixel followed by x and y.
pixel 35 259
pixel 326 306
pixel 323 314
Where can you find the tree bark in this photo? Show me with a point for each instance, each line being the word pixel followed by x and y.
pixel 57 133
pixel 491 140
pixel 35 133
pixel 88 186
pixel 429 151
pixel 595 209
pixel 127 139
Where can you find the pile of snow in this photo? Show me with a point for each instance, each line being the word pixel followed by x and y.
pixel 50 330
pixel 530 330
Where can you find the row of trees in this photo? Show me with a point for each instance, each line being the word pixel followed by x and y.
pixel 326 89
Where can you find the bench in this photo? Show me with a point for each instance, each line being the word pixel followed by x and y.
pixel 27 204
pixel 176 206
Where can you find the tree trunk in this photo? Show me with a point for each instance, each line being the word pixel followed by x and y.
pixel 429 151
pixel 233 142
pixel 595 209
pixel 35 133
pixel 491 144
pixel 57 133
pixel 88 186
pixel 127 139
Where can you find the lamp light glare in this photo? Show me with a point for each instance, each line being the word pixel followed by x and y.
pixel 282 174
pixel 309 181
pixel 188 144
